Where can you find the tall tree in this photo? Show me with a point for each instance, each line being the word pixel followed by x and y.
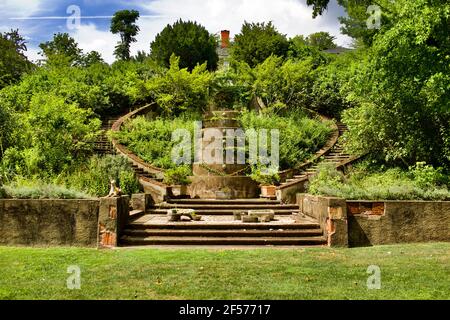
pixel 63 48
pixel 257 42
pixel 17 39
pixel 92 58
pixel 189 41
pixel 354 24
pixel 13 62
pixel 321 40
pixel 124 23
pixel 403 88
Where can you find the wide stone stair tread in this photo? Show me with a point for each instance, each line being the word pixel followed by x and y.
pixel 223 233
pixel 213 212
pixel 222 226
pixel 228 207
pixel 227 202
pixel 126 240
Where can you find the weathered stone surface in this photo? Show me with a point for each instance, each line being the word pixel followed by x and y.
pixel 365 223
pixel 402 222
pixel 141 201
pixel 112 219
pixel 48 222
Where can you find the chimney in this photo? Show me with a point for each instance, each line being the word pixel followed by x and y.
pixel 225 34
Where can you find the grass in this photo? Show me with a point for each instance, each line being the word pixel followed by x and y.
pixel 419 271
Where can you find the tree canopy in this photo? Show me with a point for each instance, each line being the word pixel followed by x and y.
pixel 189 41
pixel 124 23
pixel 257 42
pixel 13 62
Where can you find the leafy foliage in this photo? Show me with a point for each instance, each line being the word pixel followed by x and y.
pixel 178 176
pixel 53 136
pixel 179 90
pixel 13 63
pixel 281 85
pixel 392 184
pixel 124 23
pixel 189 41
pixel 321 40
pixel 257 42
pixel 403 115
pixel 94 177
pixel 152 139
pixel 300 136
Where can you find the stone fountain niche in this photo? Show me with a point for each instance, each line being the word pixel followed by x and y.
pixel 224 180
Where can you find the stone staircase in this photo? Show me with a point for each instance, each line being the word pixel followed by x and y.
pixel 103 145
pixel 218 227
pixel 336 156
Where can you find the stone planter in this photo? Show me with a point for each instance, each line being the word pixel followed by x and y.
pixel 269 191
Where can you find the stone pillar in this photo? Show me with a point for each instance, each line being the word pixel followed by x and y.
pixel 331 213
pixel 142 201
pixel 337 224
pixel 112 219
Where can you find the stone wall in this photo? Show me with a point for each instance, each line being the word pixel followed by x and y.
pixel 62 222
pixel 389 222
pixel 366 223
pixel 49 222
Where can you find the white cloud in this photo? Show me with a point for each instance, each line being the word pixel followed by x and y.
pixel 19 8
pixel 291 17
pixel 89 38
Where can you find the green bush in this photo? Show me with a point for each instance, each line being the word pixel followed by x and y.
pixel 300 136
pixel 391 184
pixel 152 141
pixel 95 176
pixel 187 40
pixel 178 176
pixel 179 90
pixel 36 189
pixel 264 178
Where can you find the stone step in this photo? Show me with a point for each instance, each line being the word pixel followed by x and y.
pixel 207 241
pixel 222 233
pixel 225 202
pixel 208 206
pixel 224 212
pixel 223 226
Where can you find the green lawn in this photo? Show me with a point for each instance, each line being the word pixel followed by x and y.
pixel 407 272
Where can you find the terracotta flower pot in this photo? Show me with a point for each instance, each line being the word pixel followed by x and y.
pixel 268 191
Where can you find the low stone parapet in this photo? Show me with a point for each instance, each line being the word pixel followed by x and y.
pixel 366 223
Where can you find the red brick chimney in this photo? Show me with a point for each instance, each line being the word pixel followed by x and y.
pixel 225 35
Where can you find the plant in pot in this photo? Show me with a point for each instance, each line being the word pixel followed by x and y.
pixel 178 181
pixel 268 180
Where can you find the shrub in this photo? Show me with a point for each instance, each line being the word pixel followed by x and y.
pixel 257 42
pixel 189 41
pixel 179 90
pixel 36 189
pixel 264 178
pixel 178 176
pixel 391 184
pixel 152 141
pixel 94 178
pixel 300 136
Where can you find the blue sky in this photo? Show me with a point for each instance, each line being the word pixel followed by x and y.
pixel 291 17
